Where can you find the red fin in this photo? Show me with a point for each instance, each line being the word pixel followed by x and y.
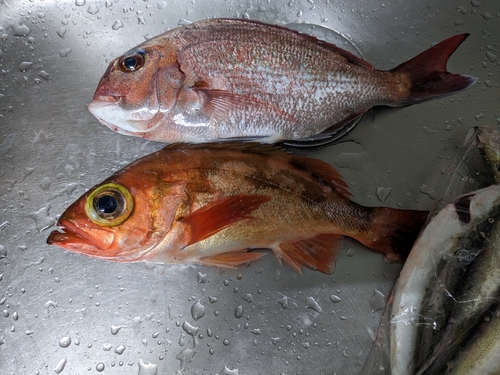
pixel 316 253
pixel 393 232
pixel 230 260
pixel 215 216
pixel 428 75
pixel 322 171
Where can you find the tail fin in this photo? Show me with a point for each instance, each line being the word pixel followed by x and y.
pixel 393 232
pixel 428 76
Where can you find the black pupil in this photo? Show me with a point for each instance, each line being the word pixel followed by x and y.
pixel 107 204
pixel 130 63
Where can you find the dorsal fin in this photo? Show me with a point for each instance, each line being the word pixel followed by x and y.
pixel 319 169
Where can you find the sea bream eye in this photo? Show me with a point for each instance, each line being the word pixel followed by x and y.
pixel 109 205
pixel 132 63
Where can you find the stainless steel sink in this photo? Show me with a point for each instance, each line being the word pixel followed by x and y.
pixel 69 314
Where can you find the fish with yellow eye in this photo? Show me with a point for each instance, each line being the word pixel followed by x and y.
pixel 214 204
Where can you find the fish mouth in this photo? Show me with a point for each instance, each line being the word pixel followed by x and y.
pixel 70 236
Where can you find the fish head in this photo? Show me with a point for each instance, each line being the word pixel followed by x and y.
pixel 121 219
pixel 138 89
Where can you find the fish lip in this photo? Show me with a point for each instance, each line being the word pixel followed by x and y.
pixel 71 234
pixel 99 99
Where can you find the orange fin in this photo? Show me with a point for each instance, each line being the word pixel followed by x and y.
pixel 316 253
pixel 230 260
pixel 428 75
pixel 215 216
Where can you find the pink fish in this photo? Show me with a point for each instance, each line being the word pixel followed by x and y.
pixel 223 79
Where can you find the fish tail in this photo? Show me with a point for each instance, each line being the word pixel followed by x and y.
pixel 428 76
pixel 393 232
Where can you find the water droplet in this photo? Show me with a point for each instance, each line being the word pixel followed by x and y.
pixel 248 297
pixel 61 32
pixel 92 9
pixel 65 52
pixel 212 299
pixel 65 342
pixel 462 10
pixel 491 56
pixel 24 66
pixel 202 277
pixel 3 252
pixel 197 310
pixel 383 193
pixel 21 30
pixel 225 342
pixel 426 189
pixel 377 301
pixel 117 25
pixel 42 218
pixel 15 315
pixel 183 22
pixel 313 305
pixel 119 349
pixel 486 16
pixel 238 311
pixel 190 329
pixel 475 3
pixel 228 371
pixel 100 367
pixel 185 356
pixel 115 329
pixel 147 368
pixel 79 3
pixel 256 331
pixel 108 3
pixel 106 347
pixel 334 298
pixel 283 302
pixel 60 366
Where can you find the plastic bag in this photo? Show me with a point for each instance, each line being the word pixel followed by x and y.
pixel 442 346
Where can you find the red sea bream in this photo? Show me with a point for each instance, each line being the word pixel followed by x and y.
pixel 224 79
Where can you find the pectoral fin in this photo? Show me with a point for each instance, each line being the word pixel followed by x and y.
pixel 215 216
pixel 218 103
pixel 316 253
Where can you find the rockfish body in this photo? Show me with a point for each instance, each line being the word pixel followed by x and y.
pixel 213 203
pixel 227 79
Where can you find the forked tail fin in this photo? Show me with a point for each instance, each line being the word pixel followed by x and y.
pixel 393 232
pixel 428 76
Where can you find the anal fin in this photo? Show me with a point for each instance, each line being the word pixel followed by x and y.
pixel 316 253
pixel 231 260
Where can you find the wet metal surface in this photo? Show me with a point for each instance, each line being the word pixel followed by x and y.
pixel 69 314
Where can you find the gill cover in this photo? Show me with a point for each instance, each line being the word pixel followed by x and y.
pixel 109 205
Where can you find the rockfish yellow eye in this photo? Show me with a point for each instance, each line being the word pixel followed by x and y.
pixel 131 63
pixel 109 205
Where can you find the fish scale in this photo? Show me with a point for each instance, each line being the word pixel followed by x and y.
pixel 227 79
pixel 214 203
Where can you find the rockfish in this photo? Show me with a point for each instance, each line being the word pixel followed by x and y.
pixel 212 203
pixel 232 79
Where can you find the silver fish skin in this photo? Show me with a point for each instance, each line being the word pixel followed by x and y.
pixel 232 79
pixel 481 355
pixel 435 246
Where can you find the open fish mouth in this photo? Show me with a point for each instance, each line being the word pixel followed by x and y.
pixel 69 235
